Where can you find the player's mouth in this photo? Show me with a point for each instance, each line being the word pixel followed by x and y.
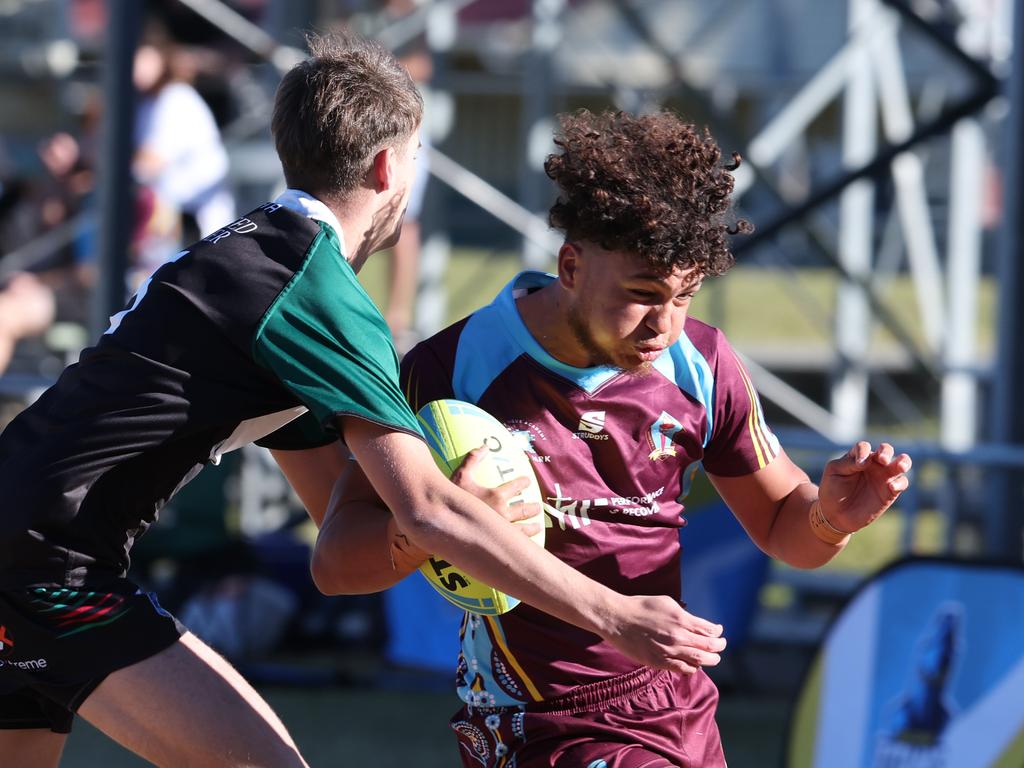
pixel 649 354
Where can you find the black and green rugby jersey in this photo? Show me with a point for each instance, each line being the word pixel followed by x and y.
pixel 260 325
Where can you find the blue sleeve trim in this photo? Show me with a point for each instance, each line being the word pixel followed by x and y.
pixel 689 369
pixel 484 351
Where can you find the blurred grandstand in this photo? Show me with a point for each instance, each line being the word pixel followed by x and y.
pixel 882 150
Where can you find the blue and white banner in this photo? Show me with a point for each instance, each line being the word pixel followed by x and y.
pixel 924 668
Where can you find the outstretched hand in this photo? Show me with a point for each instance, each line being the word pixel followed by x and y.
pixel 655 630
pixel 859 486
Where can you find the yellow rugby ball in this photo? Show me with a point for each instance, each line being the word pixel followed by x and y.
pixel 453 429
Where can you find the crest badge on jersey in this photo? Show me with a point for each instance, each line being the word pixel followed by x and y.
pixel 661 437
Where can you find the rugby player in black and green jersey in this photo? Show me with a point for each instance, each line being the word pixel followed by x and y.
pixel 259 332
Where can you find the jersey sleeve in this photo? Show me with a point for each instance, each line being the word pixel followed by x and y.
pixel 327 342
pixel 301 433
pixel 741 442
pixel 424 377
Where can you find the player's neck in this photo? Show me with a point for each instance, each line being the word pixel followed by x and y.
pixel 545 314
pixel 358 234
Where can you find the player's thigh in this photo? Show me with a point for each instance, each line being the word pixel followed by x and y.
pixel 31 747
pixel 187 706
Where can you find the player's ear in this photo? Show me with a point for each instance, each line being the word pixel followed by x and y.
pixel 382 173
pixel 568 264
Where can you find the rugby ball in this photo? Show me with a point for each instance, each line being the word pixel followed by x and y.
pixel 453 429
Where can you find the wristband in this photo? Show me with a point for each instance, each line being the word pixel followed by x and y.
pixel 823 529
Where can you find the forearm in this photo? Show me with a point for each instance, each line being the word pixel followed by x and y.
pixel 441 518
pixel 463 530
pixel 792 539
pixel 359 550
pixel 313 473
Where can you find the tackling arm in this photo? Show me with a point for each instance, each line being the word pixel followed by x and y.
pixel 441 518
pixel 312 472
pixel 359 548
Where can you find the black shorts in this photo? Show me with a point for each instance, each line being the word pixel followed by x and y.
pixel 58 644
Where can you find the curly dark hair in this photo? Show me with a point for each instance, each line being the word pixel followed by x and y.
pixel 646 184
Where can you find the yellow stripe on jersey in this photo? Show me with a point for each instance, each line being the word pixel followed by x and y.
pixel 758 425
pixel 499 637
pixel 761 463
pixel 762 445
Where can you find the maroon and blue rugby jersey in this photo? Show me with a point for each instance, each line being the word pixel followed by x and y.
pixel 614 453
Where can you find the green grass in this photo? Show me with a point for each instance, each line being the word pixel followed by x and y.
pixel 392 729
pixel 332 727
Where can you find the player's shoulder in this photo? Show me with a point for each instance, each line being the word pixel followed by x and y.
pixel 270 225
pixel 440 348
pixel 707 339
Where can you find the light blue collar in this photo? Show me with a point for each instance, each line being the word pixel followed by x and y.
pixel 588 379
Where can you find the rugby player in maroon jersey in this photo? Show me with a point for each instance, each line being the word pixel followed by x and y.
pixel 619 395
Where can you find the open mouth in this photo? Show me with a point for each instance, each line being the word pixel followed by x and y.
pixel 649 354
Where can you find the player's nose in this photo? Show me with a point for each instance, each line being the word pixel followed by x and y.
pixel 659 318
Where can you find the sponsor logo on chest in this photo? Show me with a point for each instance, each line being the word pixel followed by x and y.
pixel 591 426
pixel 530 437
pixel 570 512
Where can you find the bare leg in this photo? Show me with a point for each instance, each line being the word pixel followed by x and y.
pixel 187 706
pixel 32 748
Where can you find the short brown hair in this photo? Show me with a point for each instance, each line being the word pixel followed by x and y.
pixel 652 185
pixel 334 111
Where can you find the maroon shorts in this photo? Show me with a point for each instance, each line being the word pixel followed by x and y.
pixel 646 719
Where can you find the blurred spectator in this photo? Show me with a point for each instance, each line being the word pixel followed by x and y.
pixel 180 167
pixel 179 155
pixel 27 308
pixel 30 300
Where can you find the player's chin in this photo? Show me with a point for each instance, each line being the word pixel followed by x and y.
pixel 638 359
pixel 633 364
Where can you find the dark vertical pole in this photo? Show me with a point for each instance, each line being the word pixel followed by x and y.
pixel 1006 524
pixel 538 99
pixel 116 207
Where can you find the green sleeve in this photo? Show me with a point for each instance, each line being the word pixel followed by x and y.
pixel 327 342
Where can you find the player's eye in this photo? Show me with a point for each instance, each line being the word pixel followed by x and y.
pixel 643 295
pixel 688 294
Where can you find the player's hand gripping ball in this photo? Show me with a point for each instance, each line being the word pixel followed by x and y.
pixel 453 429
